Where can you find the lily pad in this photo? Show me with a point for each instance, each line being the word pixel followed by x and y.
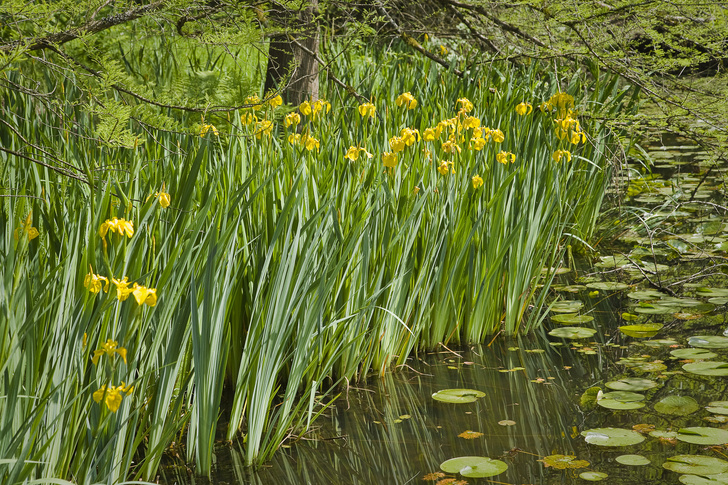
pixel 696 464
pixel 708 368
pixel 562 462
pixel 474 466
pixel 717 409
pixel 697 354
pixel 624 396
pixel 620 405
pixel 645 295
pixel 654 309
pixel 457 396
pixel 677 405
pixel 632 460
pixel 571 319
pixel 719 479
pixel 566 306
pixel 631 384
pixel 612 437
pixel 703 436
pixel 644 330
pixel 660 342
pixel 709 341
pixel 572 332
pixel 667 435
pixel 712 292
pixel 593 476
pixel 608 285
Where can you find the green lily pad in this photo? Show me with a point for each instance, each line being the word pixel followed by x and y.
pixel 709 341
pixel 620 405
pixel 697 354
pixel 631 384
pixel 593 476
pixel 654 309
pixel 608 285
pixel 711 408
pixel 457 396
pixel 719 300
pixel 712 292
pixel 677 405
pixel 571 318
pixel 703 436
pixel 572 332
pixel 566 306
pixel 660 342
pixel 612 437
pixel 707 368
pixel 474 466
pixel 719 479
pixel 624 396
pixel 646 295
pixel 696 464
pixel 644 330
pixel 632 460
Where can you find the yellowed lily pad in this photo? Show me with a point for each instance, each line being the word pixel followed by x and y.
pixel 644 330
pixel 562 462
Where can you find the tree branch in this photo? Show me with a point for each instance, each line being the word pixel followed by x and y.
pixel 89 28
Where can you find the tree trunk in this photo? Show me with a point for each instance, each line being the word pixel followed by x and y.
pixel 288 61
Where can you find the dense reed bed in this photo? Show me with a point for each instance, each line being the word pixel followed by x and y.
pixel 271 254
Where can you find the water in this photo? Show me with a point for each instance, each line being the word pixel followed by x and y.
pixel 391 430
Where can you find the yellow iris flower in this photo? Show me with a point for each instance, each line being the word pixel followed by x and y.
pixel 477 181
pixel 471 122
pixel 275 101
pixel 122 226
pixel 397 144
pixel 248 118
pixel 465 105
pixel 205 128
pixel 497 135
pixel 353 153
pixel 389 159
pixel 406 99
pixel 505 157
pixel 27 227
pixel 112 395
pixel 292 119
pixel 409 135
pixel 559 154
pixel 264 127
pixel 110 347
pixel 367 109
pixel 122 288
pixel 524 108
pixel 451 147
pixel 142 295
pixel 93 282
pixel 477 143
pixel 163 197
pixel 255 102
pixel 445 167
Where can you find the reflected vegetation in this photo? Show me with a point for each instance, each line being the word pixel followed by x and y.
pixel 625 382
